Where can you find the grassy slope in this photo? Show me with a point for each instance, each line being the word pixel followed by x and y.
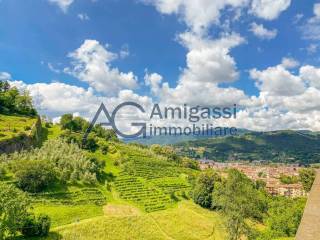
pixel 64 214
pixel 11 126
pixel 186 222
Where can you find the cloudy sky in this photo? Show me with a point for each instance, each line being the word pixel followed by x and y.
pixel 262 55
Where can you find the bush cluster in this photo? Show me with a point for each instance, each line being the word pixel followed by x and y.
pixel 36 226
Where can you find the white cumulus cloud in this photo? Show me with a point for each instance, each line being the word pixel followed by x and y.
pixel 269 9
pixel 91 63
pixel 261 32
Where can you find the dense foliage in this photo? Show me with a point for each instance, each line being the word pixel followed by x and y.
pixel 13 210
pixel 202 193
pixel 36 226
pixel 283 218
pixel 240 201
pixel 67 162
pixel 14 102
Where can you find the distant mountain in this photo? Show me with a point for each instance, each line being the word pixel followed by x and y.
pixel 170 140
pixel 276 146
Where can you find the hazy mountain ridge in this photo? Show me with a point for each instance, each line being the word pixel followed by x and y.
pixel 169 140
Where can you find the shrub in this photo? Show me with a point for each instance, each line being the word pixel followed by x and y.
pixel 44 223
pixel 13 210
pixel 33 227
pixel 307 177
pixel 34 176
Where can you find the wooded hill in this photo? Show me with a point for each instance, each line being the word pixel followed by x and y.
pixel 277 146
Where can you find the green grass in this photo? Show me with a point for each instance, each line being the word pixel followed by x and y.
pixel 190 222
pixel 12 126
pixel 66 214
pixel 54 131
pixel 186 222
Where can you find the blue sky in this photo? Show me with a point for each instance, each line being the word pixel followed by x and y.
pixel 152 56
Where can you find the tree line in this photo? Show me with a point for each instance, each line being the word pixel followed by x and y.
pixel 14 102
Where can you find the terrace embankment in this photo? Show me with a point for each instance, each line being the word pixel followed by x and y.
pixel 309 227
pixel 23 139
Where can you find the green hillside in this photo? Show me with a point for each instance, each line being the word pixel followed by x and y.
pixel 174 139
pixel 107 189
pixel 185 222
pixel 278 146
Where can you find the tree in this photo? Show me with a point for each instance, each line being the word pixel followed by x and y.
pixel 66 121
pixel 74 124
pixel 34 176
pixel 202 193
pixel 90 143
pixel 80 124
pixel 12 102
pixel 307 177
pixel 239 199
pixel 23 104
pixel 107 134
pixel 13 210
pixel 4 86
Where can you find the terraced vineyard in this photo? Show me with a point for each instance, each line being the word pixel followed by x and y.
pixel 149 180
pixel 171 184
pixel 135 190
pixel 82 196
pixel 151 169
